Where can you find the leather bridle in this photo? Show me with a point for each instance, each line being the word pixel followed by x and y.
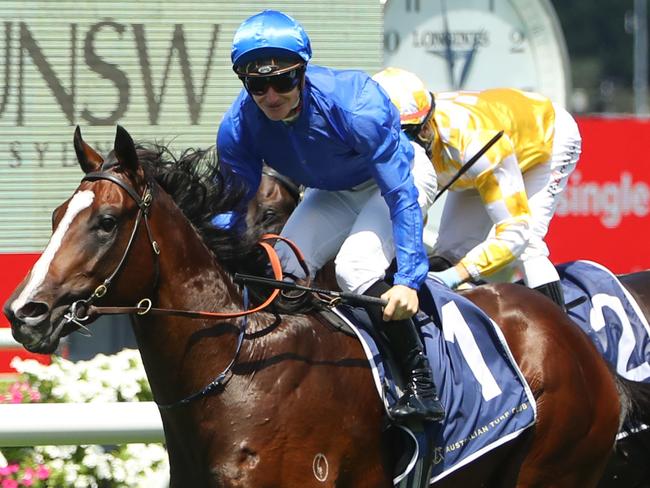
pixel 294 190
pixel 82 310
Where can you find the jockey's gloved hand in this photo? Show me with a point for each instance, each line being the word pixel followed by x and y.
pixel 448 277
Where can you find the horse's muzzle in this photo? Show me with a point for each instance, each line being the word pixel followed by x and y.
pixel 32 326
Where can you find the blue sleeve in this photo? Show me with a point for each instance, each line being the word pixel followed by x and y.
pixel 234 152
pixel 377 134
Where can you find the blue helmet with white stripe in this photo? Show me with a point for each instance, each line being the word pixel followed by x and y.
pixel 269 35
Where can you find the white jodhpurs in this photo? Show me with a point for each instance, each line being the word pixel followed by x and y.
pixel 351 226
pixel 544 183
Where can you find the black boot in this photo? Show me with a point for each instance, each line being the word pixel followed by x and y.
pixel 554 291
pixel 420 399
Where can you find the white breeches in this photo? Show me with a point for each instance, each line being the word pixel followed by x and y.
pixel 351 226
pixel 465 223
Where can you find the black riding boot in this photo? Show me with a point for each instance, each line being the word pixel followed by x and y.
pixel 554 291
pixel 420 399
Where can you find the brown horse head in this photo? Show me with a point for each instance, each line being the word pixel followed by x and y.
pixel 103 234
pixel 90 232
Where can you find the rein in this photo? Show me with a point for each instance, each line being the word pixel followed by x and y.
pixel 144 306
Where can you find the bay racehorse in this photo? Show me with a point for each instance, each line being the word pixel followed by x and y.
pixel 269 400
pixel 628 466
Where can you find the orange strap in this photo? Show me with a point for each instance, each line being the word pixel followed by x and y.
pixel 296 250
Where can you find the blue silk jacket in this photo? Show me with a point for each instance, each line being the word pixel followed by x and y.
pixel 347 132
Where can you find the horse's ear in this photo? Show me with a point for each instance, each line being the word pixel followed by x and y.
pixel 125 149
pixel 88 158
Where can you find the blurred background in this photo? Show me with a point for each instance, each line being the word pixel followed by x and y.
pixel 607 43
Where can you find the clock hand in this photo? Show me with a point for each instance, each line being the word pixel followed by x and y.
pixel 449 55
pixel 469 59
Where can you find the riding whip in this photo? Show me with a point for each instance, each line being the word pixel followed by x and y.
pixel 469 163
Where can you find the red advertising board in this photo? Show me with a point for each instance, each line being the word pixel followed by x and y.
pixel 604 213
pixel 14 268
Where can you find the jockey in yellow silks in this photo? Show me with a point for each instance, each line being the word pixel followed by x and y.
pixel 497 214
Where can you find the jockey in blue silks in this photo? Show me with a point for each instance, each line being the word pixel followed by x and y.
pixel 337 133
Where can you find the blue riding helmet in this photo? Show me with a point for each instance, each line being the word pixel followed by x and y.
pixel 269 34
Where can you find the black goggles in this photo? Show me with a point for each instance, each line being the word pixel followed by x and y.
pixel 282 83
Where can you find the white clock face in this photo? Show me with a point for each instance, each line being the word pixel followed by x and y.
pixel 477 44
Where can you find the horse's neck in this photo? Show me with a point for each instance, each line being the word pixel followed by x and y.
pixel 189 279
pixel 189 274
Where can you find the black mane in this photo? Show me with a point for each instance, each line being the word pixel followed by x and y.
pixel 201 191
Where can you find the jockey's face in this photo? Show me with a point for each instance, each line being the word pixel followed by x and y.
pixel 278 106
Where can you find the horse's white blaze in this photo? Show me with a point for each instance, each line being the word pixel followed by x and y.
pixel 80 201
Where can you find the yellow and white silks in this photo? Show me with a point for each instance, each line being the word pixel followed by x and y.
pixel 498 212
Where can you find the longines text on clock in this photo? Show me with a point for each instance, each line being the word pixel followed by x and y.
pixel 458 39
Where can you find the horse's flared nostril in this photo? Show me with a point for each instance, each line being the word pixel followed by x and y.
pixel 32 310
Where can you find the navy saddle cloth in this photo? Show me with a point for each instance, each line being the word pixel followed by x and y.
pixel 610 317
pixel 486 399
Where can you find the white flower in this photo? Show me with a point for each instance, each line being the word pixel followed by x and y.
pixel 102 379
pixel 57 452
pixel 85 481
pixel 71 473
pixel 97 459
pixel 56 464
pixel 119 473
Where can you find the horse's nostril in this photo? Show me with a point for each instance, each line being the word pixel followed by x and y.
pixel 32 309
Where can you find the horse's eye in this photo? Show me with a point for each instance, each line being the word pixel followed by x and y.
pixel 107 223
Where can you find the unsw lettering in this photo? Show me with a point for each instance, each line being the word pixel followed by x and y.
pixel 28 46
